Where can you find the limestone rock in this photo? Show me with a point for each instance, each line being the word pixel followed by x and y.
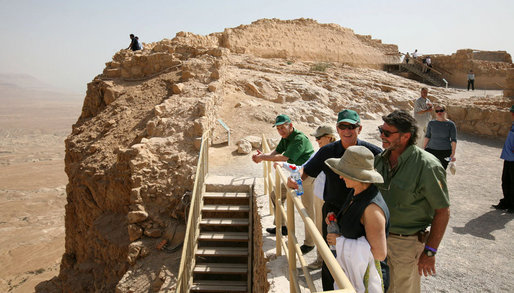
pixel 177 88
pixel 135 232
pixel 244 147
pixel 137 216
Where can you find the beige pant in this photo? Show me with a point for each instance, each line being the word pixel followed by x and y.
pixel 422 130
pixel 402 257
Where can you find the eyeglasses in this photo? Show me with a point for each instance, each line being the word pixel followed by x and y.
pixel 347 126
pixel 320 137
pixel 386 133
pixel 439 111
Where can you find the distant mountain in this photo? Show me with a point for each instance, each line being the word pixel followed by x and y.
pixel 27 87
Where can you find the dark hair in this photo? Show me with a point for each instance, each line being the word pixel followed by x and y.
pixel 131 35
pixel 404 122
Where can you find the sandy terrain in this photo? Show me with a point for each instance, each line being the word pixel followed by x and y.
pixel 32 186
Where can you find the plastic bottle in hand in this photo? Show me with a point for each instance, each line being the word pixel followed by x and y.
pixel 332 228
pixel 295 174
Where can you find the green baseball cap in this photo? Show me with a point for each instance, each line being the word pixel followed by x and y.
pixel 349 116
pixel 281 119
pixel 512 108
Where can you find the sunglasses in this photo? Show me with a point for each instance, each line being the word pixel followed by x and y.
pixel 439 111
pixel 386 133
pixel 347 126
pixel 319 137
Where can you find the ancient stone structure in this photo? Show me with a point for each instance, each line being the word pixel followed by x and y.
pixel 490 68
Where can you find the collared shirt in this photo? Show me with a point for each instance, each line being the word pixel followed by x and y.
pixel 296 147
pixel 508 147
pixel 412 190
pixel 335 192
pixel 423 118
pixel 471 76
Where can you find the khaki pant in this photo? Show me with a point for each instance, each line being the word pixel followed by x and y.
pixel 422 130
pixel 402 257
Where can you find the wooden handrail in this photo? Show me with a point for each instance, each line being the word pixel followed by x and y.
pixel 423 64
pixel 292 249
pixel 187 261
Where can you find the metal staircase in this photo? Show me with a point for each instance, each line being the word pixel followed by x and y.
pixel 223 258
pixel 432 77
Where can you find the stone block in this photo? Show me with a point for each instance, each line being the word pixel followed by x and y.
pixel 137 216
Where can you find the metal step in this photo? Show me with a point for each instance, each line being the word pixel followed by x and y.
pixel 221 268
pixel 218 286
pixel 227 195
pixel 225 208
pixel 224 222
pixel 222 251
pixel 223 236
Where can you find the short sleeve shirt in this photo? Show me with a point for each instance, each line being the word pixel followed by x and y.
pixel 335 191
pixel 423 118
pixel 441 134
pixel 413 190
pixel 296 147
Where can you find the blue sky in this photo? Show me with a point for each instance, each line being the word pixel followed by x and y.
pixel 66 43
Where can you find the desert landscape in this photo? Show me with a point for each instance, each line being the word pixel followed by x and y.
pixel 89 185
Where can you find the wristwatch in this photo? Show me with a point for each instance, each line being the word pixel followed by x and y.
pixel 429 251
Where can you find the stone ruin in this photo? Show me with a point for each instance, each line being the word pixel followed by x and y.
pixel 132 154
pixel 490 68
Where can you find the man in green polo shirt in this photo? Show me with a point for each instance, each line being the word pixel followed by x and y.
pixel 416 194
pixel 295 148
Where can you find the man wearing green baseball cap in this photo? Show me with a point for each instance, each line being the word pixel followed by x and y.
pixel 335 192
pixel 294 148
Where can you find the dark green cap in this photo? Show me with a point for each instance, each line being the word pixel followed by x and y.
pixel 349 116
pixel 281 119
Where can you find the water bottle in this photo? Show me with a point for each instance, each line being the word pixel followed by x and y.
pixel 332 228
pixel 295 174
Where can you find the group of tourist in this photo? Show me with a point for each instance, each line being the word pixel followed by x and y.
pixel 391 205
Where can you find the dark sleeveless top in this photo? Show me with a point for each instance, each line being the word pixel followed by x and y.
pixel 349 216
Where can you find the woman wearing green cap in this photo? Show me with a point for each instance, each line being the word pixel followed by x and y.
pixel 363 220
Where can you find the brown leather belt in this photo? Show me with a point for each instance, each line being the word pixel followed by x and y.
pixel 422 235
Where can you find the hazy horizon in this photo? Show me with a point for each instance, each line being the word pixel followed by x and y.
pixel 66 44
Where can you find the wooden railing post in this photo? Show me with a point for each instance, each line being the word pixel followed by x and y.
pixel 278 214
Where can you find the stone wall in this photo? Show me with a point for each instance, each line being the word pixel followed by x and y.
pixel 488 116
pixel 307 40
pixel 489 68
pixel 509 84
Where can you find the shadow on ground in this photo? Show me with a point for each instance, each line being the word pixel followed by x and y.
pixel 485 224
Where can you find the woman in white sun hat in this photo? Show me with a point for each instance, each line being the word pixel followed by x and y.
pixel 363 220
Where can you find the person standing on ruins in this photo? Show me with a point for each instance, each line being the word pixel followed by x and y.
pixel 406 58
pixel 471 80
pixel 423 114
pixel 416 194
pixel 507 202
pixel 294 148
pixel 335 192
pixel 415 54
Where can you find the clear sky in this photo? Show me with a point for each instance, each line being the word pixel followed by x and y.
pixel 66 43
